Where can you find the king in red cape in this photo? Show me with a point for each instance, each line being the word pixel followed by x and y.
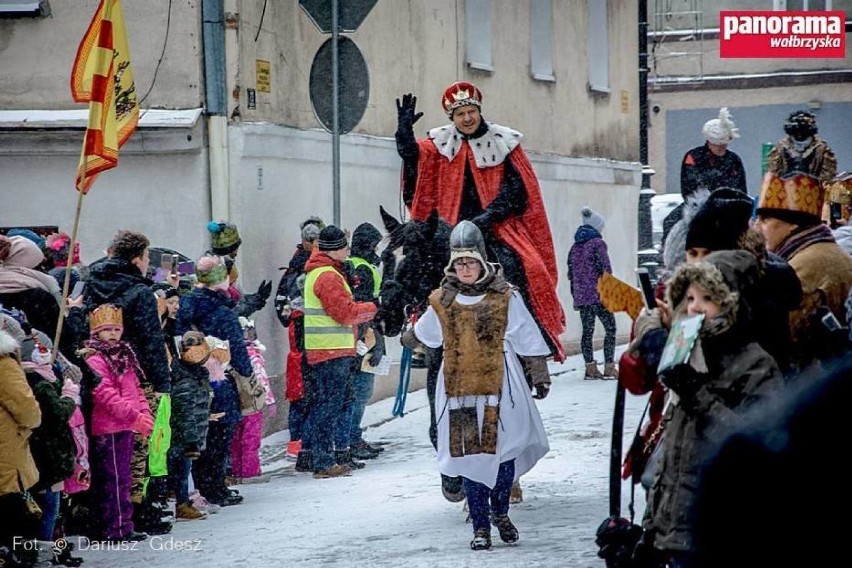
pixel 477 171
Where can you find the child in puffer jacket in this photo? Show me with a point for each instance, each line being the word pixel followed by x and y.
pixel 119 409
pixel 191 394
pixel 245 447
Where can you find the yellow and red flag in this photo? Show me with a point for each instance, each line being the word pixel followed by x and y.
pixel 619 296
pixel 102 77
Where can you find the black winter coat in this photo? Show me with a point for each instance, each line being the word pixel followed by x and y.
pixel 191 395
pixel 117 281
pixel 51 443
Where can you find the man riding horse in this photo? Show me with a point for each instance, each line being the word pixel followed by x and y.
pixel 477 171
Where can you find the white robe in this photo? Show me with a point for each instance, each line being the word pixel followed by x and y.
pixel 520 433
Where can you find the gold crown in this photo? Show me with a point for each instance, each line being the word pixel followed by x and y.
pixel 104 316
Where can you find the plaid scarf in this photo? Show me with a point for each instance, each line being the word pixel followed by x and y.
pixel 804 237
pixel 119 356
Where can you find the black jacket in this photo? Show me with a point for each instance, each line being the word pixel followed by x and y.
pixel 117 281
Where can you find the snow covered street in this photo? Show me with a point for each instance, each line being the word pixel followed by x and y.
pixel 392 513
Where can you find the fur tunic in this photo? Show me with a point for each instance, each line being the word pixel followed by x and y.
pixel 520 434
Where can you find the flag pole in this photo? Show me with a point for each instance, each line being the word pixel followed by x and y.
pixel 63 304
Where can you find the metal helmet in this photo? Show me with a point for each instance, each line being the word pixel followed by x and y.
pixel 467 238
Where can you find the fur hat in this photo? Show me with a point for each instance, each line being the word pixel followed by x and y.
pixel 721 221
pixel 459 94
pixel 797 199
pixel 194 348
pixel 224 236
pixel 592 219
pixel 332 238
pixel 674 251
pixel 721 130
pixel 210 270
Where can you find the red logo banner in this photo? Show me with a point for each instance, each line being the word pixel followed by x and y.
pixel 773 34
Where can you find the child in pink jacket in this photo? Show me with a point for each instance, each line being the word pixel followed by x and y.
pixel 245 446
pixel 119 409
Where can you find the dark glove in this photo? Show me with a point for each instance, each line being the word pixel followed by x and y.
pixel 683 380
pixel 264 290
pixel 537 375
pixel 406 112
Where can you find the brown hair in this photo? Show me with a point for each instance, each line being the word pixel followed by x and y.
pixel 128 245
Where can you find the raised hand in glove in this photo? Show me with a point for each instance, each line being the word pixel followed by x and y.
pixel 683 380
pixel 406 111
pixel 264 290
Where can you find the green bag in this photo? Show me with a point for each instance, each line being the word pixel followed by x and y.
pixel 161 438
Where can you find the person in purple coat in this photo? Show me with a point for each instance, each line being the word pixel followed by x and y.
pixel 587 262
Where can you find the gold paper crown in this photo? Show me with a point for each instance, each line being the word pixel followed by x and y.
pixel 840 189
pixel 800 193
pixel 106 315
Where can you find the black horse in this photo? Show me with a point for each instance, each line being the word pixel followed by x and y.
pixel 414 262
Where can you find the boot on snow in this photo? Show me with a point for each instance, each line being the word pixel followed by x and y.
pixel 592 371
pixel 344 457
pixel 508 531
pixel 610 371
pixel 305 461
pixel 481 540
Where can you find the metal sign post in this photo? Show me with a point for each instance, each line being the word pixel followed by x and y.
pixel 335 111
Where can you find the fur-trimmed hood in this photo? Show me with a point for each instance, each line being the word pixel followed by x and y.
pixel 8 345
pixel 724 275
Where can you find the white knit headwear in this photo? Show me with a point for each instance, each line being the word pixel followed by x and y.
pixel 721 130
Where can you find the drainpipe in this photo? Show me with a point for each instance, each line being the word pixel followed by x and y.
pixel 213 38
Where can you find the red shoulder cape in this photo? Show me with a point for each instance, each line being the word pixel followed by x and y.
pixel 439 187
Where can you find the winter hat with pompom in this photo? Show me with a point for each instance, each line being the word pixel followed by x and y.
pixel 224 236
pixel 211 271
pixel 593 219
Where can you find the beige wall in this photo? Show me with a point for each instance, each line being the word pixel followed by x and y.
pixel 418 46
pixel 36 54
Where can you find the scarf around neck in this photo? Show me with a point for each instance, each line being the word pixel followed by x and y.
pixel 119 357
pixel 804 237
pixel 494 281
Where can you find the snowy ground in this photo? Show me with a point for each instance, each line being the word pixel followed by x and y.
pixel 392 513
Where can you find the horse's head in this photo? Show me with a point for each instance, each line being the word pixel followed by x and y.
pixel 414 262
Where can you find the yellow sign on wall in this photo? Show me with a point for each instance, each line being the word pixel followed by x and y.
pixel 262 76
pixel 625 102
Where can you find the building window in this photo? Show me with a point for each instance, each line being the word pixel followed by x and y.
pixel 478 34
pixel 23 9
pixel 802 5
pixel 598 44
pixel 541 46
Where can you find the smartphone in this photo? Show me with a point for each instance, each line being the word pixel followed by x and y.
pixel 77 291
pixel 644 278
pixel 169 262
pixel 836 211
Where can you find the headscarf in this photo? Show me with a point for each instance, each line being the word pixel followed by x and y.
pixel 18 258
